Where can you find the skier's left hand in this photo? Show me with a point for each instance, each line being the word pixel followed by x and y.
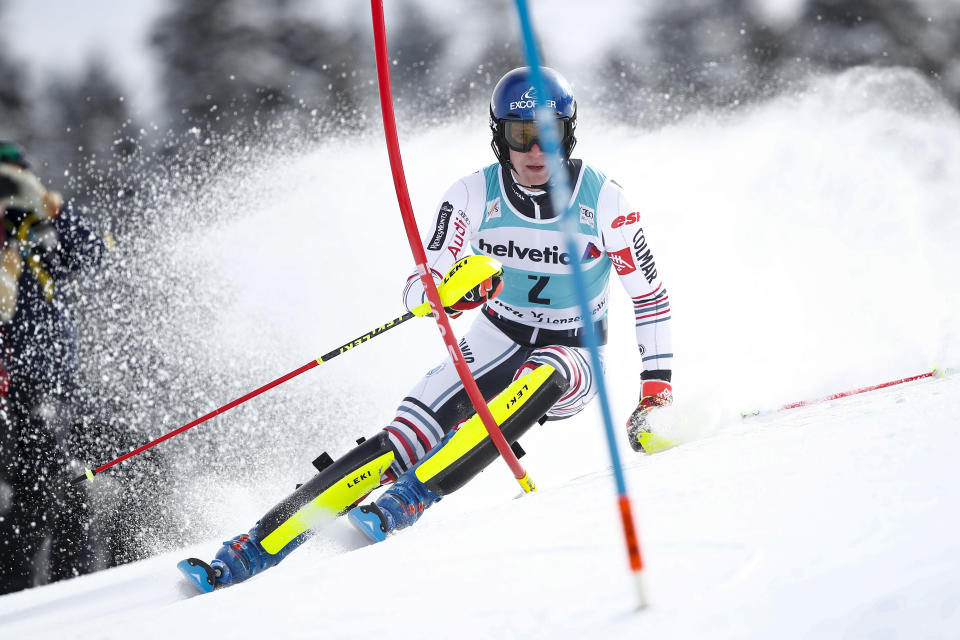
pixel 653 394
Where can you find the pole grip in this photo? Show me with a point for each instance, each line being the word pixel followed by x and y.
pixel 86 475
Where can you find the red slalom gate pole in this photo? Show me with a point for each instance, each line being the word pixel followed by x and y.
pixel 413 236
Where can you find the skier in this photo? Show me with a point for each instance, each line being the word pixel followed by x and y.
pixel 526 343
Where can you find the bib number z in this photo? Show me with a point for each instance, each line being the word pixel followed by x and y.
pixel 537 289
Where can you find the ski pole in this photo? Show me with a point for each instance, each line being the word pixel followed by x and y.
pixel 936 372
pixel 422 310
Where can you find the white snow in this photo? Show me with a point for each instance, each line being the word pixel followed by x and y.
pixel 809 247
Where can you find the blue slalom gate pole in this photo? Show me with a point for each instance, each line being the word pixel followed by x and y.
pixel 560 195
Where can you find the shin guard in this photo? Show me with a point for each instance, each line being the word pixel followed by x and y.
pixel 328 494
pixel 467 451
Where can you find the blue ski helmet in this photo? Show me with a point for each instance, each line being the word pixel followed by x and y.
pixel 512 107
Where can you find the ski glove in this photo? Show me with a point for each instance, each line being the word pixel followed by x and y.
pixel 486 290
pixel 487 272
pixel 653 394
pixel 21 189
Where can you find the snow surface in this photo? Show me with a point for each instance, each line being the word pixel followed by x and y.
pixel 809 246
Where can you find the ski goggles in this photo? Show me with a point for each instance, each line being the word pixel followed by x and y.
pixel 521 135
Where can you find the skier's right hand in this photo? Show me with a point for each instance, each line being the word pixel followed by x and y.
pixel 469 283
pixel 486 290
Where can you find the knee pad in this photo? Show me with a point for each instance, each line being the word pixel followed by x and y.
pixel 331 492
pixel 467 451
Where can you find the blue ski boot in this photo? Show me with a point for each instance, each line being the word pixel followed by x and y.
pixel 243 557
pixel 238 559
pixel 399 507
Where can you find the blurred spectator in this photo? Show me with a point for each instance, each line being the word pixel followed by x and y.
pixel 44 523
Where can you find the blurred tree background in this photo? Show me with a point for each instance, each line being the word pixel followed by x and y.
pixel 235 72
pixel 724 53
pixel 234 68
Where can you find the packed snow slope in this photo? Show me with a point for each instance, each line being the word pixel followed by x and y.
pixel 808 244
pixel 832 521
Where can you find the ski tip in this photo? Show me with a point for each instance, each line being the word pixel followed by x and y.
pixel 198 573
pixel 369 521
